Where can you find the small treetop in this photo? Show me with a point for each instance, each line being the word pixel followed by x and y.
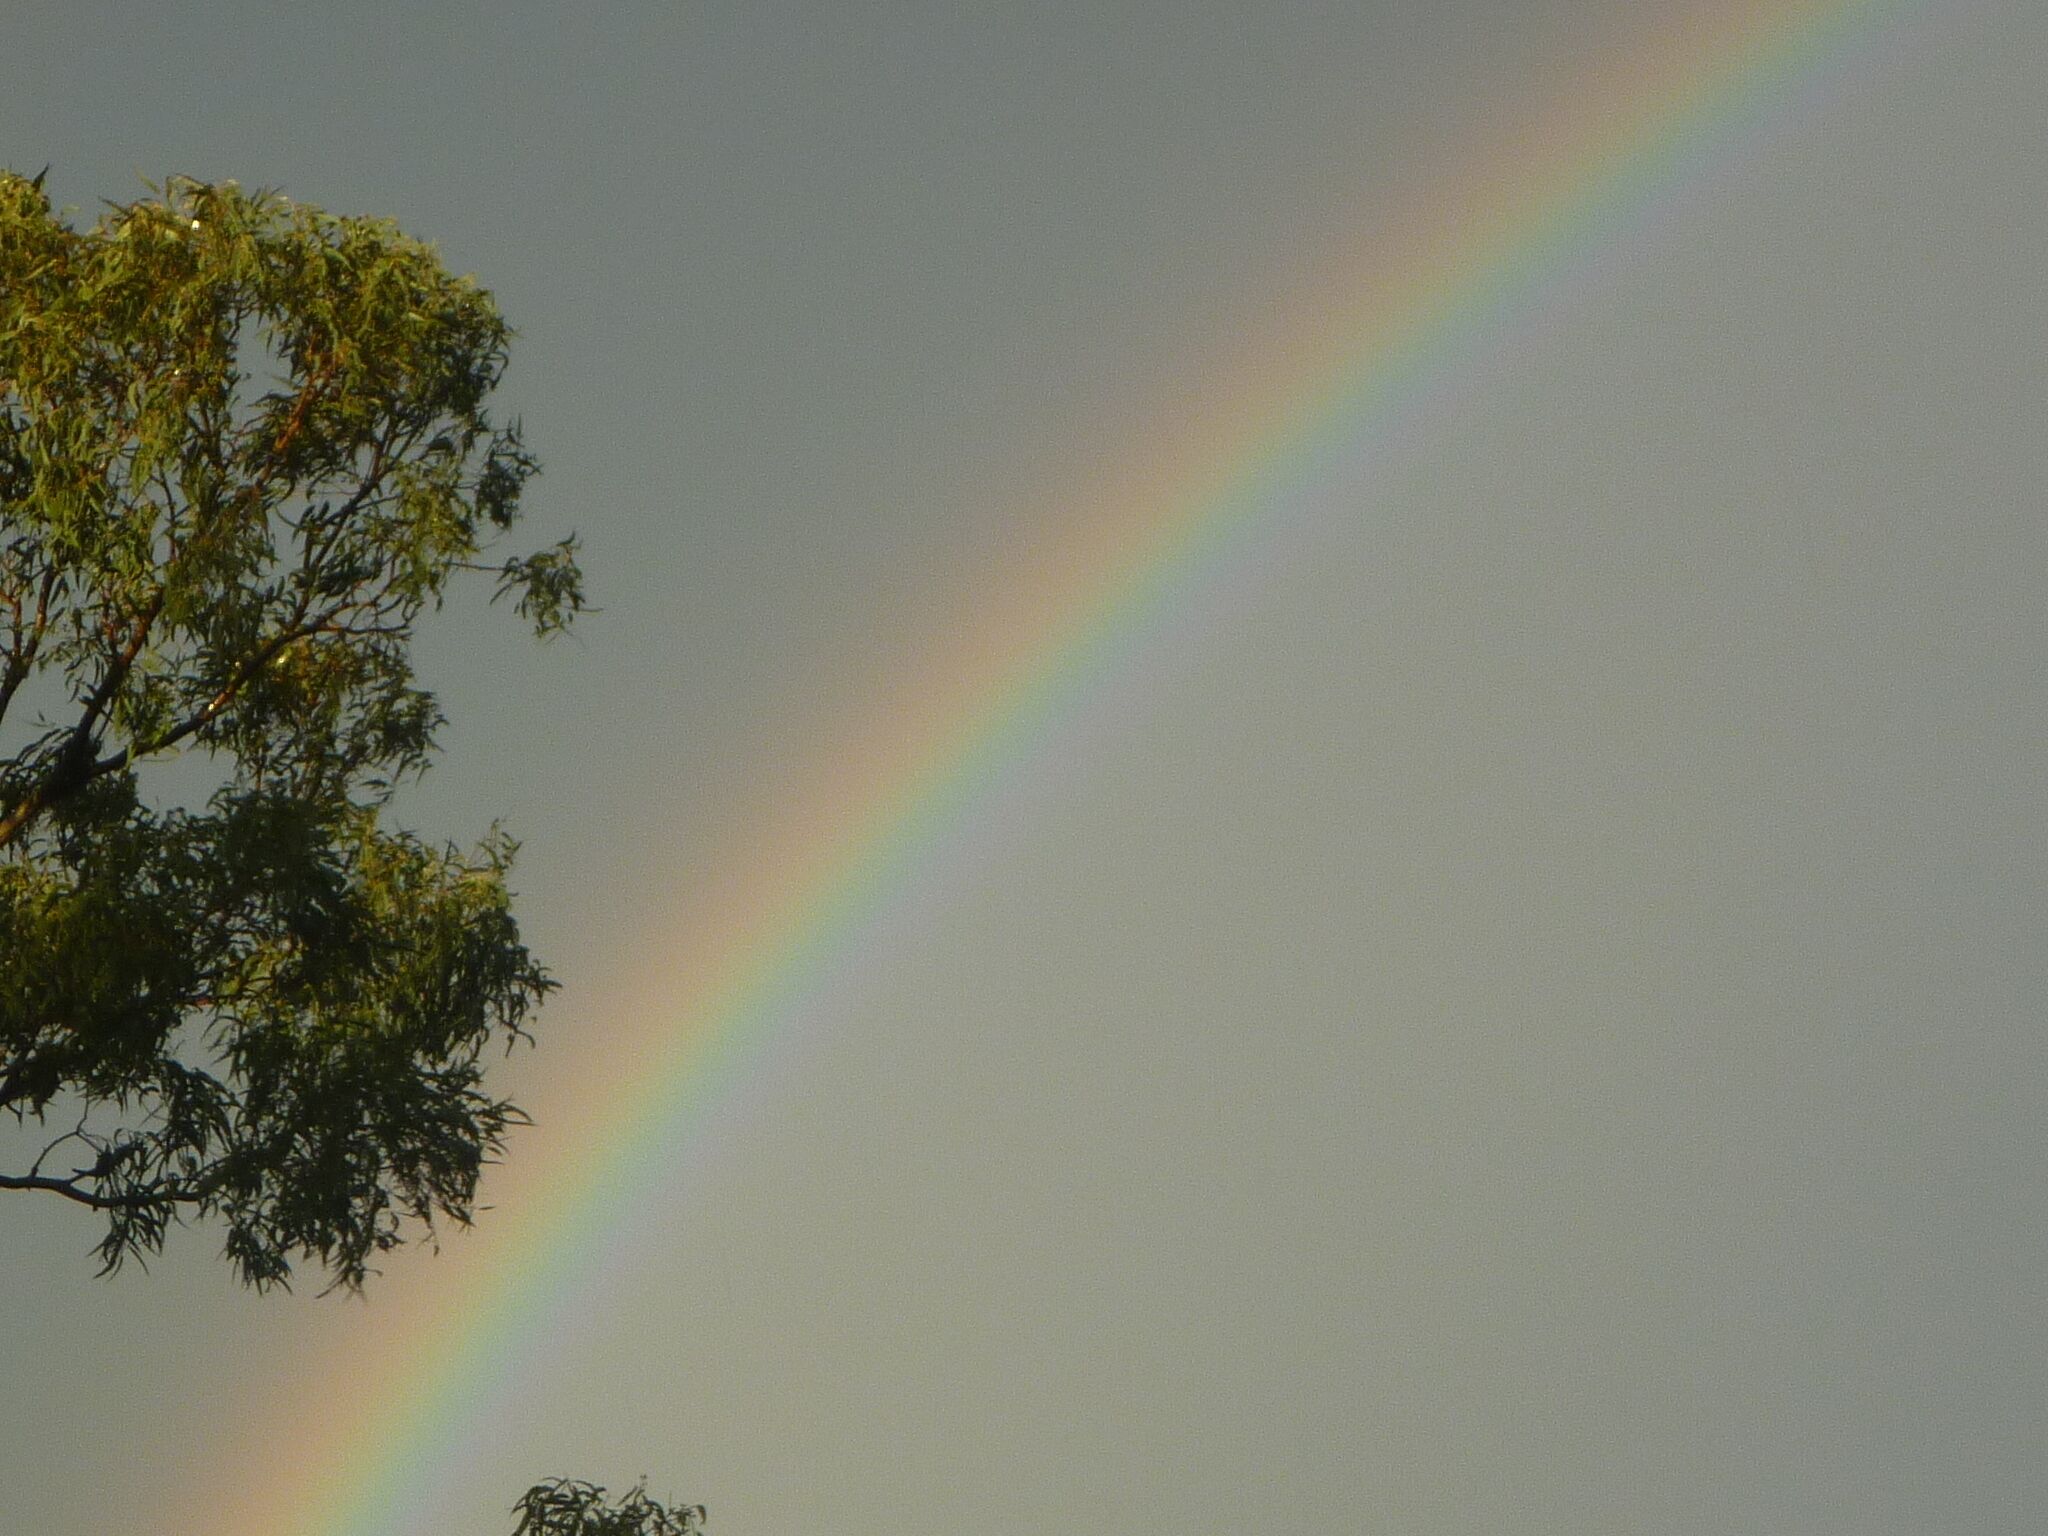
pixel 561 1507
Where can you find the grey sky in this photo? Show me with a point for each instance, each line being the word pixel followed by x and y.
pixel 1522 1014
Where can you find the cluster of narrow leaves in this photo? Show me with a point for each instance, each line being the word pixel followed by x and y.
pixel 560 1507
pixel 243 449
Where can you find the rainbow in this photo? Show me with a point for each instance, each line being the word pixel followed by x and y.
pixel 1482 250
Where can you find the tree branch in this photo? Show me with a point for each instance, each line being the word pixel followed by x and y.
pixel 72 1189
pixel 21 657
pixel 76 1133
pixel 74 767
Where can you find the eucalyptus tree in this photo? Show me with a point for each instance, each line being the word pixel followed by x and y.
pixel 562 1507
pixel 244 448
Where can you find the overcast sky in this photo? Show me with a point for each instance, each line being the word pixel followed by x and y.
pixel 1516 1006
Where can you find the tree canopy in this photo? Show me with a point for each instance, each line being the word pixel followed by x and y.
pixel 244 447
pixel 562 1507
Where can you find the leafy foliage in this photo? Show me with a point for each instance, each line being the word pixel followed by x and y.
pixel 563 1508
pixel 243 449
